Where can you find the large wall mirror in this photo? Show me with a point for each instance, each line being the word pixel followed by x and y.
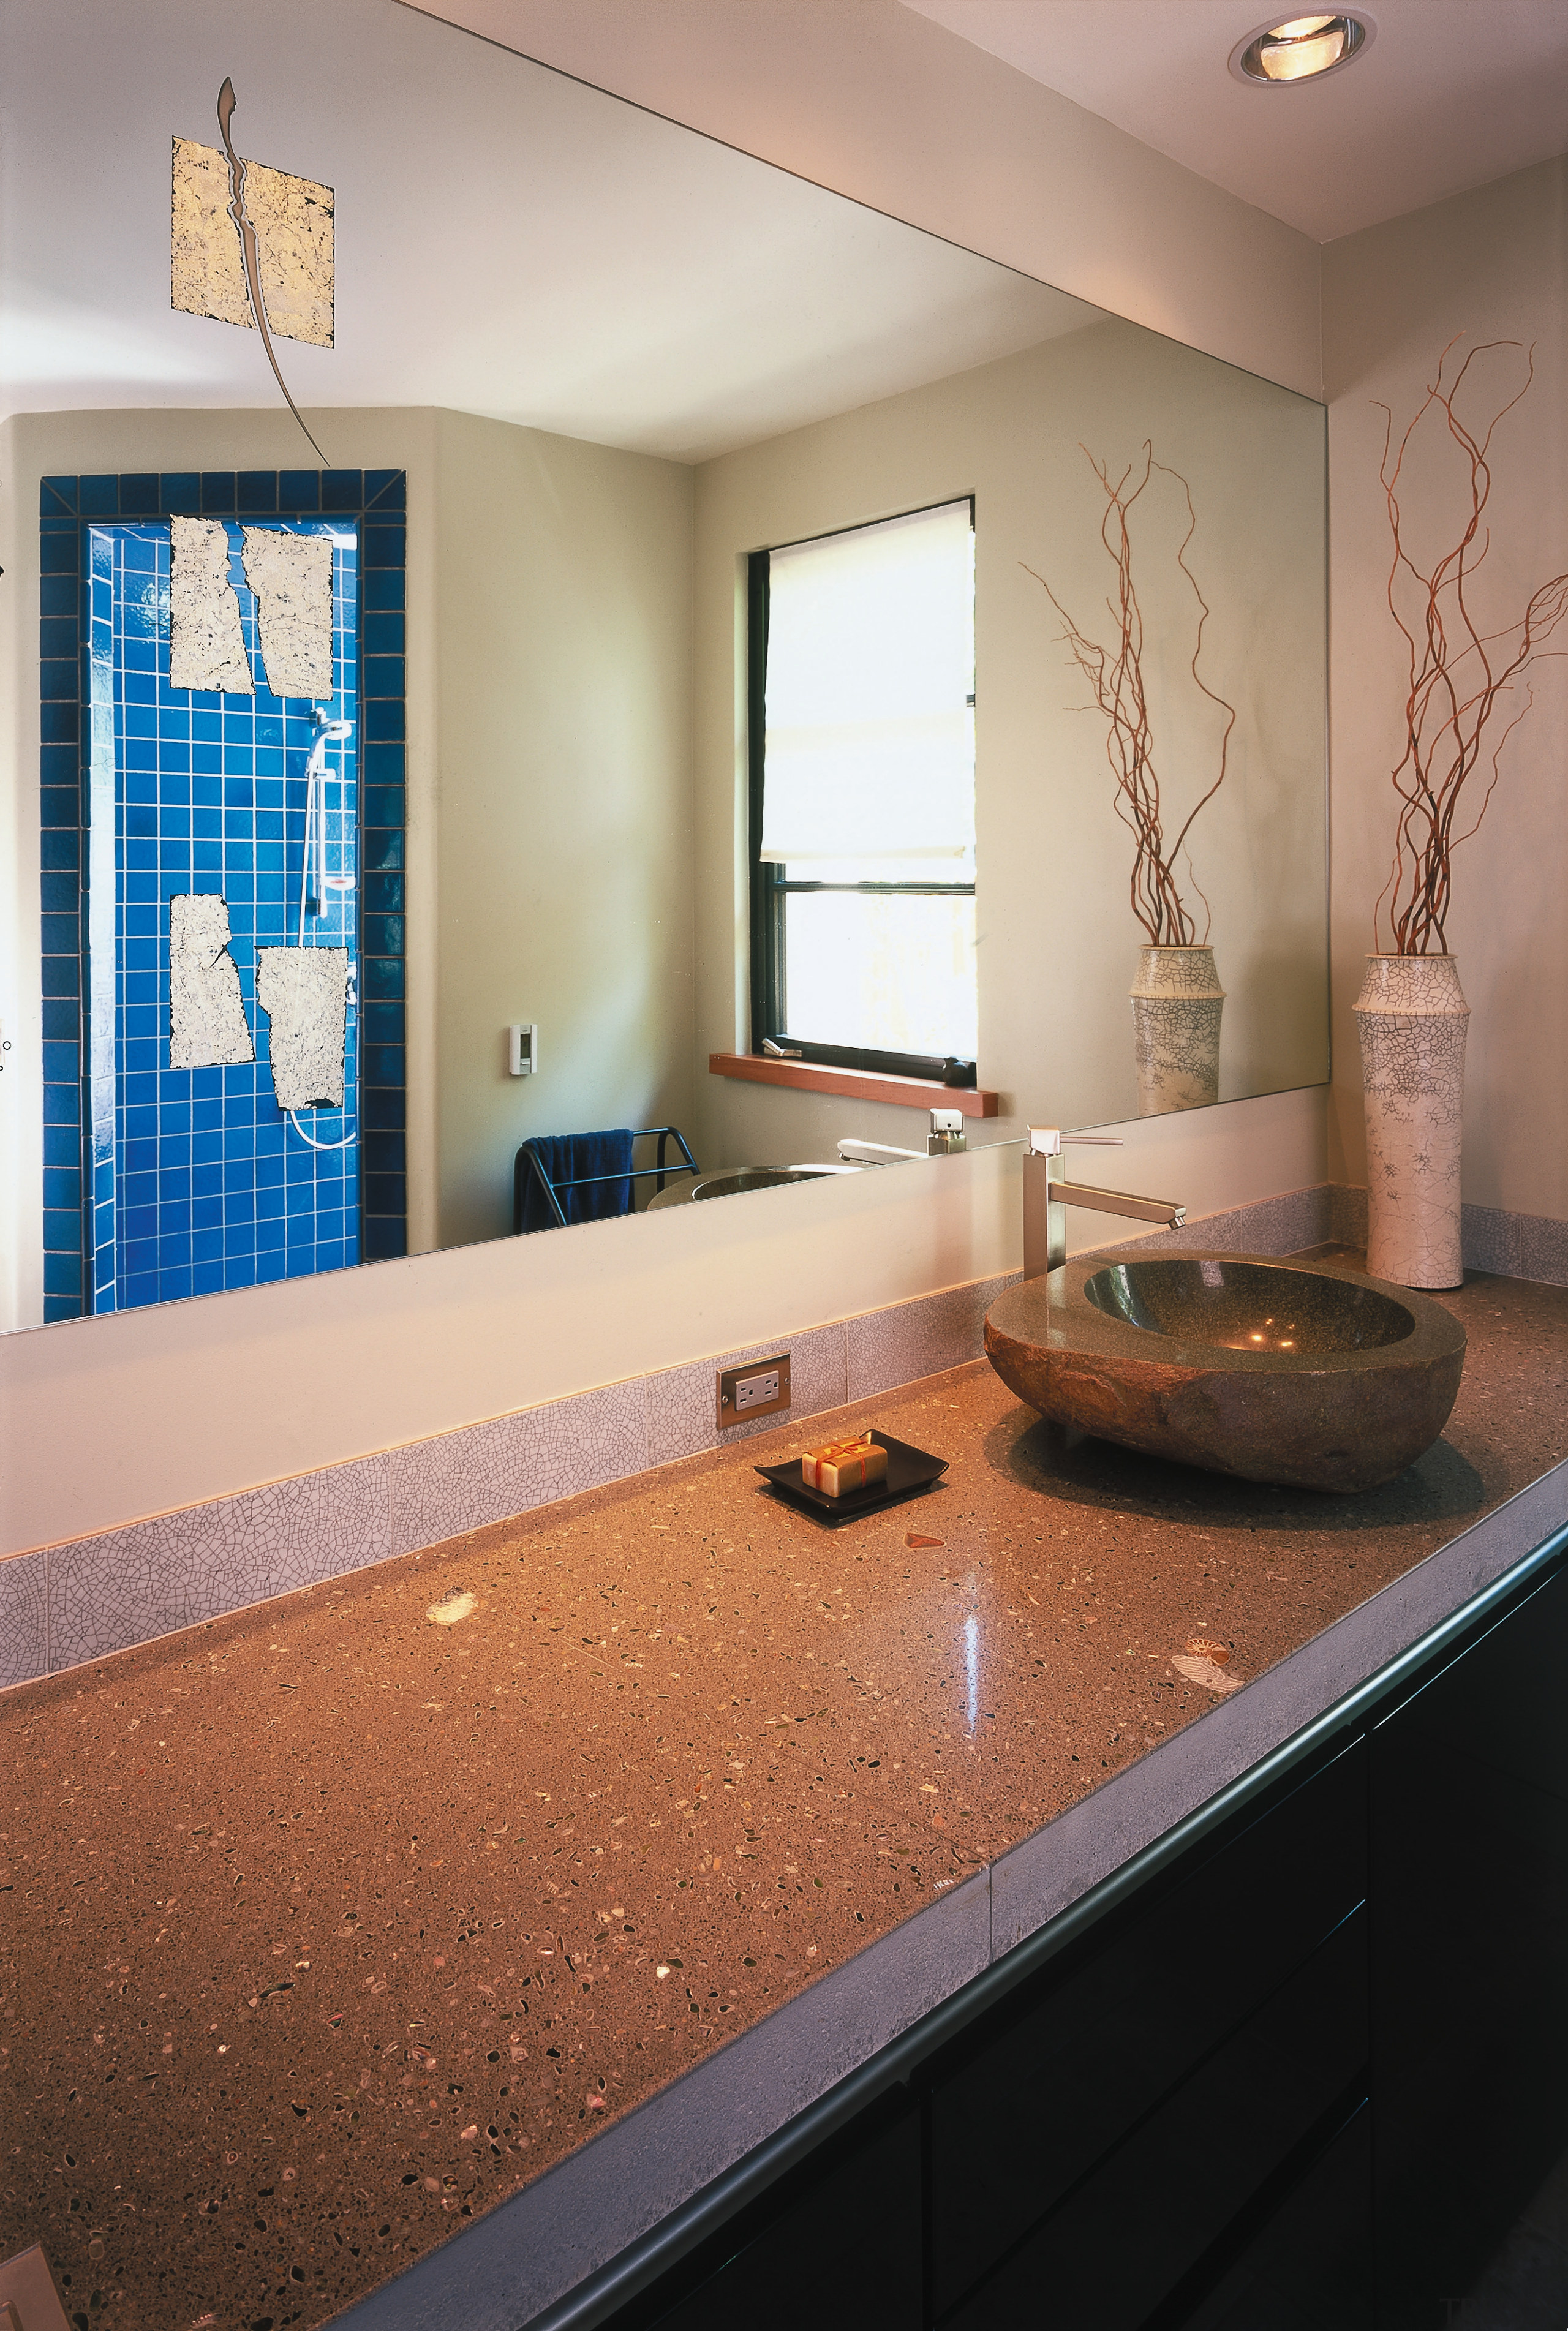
pixel 595 402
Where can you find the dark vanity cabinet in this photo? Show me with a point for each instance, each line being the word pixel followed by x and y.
pixel 1469 1830
pixel 1307 2070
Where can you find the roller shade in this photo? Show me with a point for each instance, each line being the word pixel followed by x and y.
pixel 869 749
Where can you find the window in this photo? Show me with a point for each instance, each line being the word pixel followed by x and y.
pixel 861 682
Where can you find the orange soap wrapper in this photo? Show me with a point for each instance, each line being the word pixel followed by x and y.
pixel 843 1465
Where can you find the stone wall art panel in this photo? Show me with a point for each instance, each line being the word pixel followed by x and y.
pixel 294 223
pixel 206 643
pixel 304 992
pixel 291 577
pixel 207 1027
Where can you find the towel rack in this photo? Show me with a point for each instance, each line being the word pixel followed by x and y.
pixel 528 1161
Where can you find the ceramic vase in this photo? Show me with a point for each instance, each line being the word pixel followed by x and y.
pixel 1177 1000
pixel 1412 1016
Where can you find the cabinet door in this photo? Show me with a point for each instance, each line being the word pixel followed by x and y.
pixel 1469 1812
pixel 1308 2266
pixel 1058 2076
pixel 1155 2224
pixel 835 2248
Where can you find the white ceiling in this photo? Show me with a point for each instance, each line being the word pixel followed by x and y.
pixel 1451 94
pixel 508 242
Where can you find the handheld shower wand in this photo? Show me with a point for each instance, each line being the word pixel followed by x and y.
pixel 314 882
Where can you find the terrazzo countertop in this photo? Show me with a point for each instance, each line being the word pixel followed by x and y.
pixel 328 1927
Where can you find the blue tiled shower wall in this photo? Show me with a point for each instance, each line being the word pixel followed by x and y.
pixel 161 1183
pixel 199 1181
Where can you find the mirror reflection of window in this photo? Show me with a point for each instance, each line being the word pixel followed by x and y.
pixel 862 661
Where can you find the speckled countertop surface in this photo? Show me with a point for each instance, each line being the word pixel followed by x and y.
pixel 328 1926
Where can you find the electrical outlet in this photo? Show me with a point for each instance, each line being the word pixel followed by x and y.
pixel 758 1388
pixel 757 1392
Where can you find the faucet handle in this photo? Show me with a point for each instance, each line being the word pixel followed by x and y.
pixel 1049 1141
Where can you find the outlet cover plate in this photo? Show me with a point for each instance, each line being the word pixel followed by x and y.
pixel 741 1395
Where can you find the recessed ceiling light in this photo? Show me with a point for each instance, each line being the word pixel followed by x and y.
pixel 1301 48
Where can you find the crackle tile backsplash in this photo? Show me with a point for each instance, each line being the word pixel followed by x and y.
pixel 65 1604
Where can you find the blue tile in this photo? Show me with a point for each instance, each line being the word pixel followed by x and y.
pixel 62 1273
pixel 58 594
pixel 384 489
pixel 62 1186
pixel 383 724
pixel 60 805
pixel 381 1021
pixel 385 545
pixel 385 589
pixel 57 636
pixel 138 494
pixel 299 490
pixel 218 493
pixel 180 493
pixel 56 496
pixel 342 490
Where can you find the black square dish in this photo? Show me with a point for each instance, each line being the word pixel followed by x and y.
pixel 909 1472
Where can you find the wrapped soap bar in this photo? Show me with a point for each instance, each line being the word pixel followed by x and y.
pixel 841 1465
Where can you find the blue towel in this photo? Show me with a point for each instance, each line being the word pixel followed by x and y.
pixel 571 1158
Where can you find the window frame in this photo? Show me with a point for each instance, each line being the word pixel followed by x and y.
pixel 771 884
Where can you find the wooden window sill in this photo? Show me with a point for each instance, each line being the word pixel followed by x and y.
pixel 855 1084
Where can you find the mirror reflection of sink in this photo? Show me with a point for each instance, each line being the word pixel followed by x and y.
pixel 1310 1374
pixel 729 1181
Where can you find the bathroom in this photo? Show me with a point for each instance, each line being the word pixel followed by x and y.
pixel 113 1421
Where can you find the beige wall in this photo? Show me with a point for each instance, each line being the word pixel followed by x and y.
pixel 1492 263
pixel 102 1420
pixel 875 101
pixel 1058 942
pixel 564 628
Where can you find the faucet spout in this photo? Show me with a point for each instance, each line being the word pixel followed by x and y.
pixel 1119 1202
pixel 1047 1196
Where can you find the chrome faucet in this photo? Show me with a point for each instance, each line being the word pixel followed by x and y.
pixel 1047 1197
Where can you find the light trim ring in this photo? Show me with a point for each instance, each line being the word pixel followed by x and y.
pixel 1307 35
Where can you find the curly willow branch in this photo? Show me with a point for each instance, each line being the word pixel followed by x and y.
pixel 1116 681
pixel 1457 673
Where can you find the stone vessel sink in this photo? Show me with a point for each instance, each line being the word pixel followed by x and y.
pixel 1309 1374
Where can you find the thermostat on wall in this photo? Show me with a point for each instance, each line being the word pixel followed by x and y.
pixel 522 1048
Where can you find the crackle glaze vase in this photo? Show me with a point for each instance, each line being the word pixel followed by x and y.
pixel 1412 1019
pixel 1177 1000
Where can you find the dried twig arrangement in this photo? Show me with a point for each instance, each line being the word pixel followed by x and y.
pixel 1457 672
pixel 1115 676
